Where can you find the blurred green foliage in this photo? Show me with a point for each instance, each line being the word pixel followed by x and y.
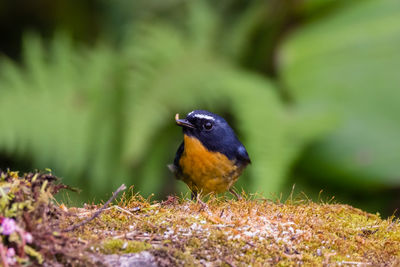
pixel 306 84
pixel 347 65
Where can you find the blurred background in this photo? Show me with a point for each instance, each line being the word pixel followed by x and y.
pixel 90 88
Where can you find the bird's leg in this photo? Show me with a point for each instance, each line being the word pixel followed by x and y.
pixel 233 192
pixel 196 196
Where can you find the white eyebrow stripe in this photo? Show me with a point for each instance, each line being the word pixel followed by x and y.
pixel 204 116
pixel 190 113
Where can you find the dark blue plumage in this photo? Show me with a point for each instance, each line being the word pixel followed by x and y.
pixel 220 138
pixel 211 158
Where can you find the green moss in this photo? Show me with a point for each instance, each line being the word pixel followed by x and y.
pixel 186 258
pixel 119 246
pixel 194 243
pixel 175 257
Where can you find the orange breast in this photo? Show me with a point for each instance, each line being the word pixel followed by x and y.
pixel 204 170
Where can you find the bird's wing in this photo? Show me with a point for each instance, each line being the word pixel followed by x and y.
pixel 175 168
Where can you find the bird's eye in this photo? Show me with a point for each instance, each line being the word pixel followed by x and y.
pixel 208 126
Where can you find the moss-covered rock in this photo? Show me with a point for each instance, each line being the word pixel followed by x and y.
pixel 221 232
pixel 250 231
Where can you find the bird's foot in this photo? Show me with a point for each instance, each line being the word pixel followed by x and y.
pixel 233 192
pixel 196 196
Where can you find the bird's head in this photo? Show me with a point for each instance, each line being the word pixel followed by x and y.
pixel 213 132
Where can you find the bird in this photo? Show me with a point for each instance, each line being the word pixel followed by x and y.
pixel 211 158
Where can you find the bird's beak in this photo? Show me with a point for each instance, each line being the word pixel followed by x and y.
pixel 183 123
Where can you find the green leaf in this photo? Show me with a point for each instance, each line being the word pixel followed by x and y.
pixel 347 65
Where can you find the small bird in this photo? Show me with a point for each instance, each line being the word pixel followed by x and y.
pixel 210 158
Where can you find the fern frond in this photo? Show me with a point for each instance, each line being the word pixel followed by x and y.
pixel 182 77
pixel 102 116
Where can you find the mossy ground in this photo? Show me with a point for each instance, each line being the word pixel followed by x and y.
pixel 180 232
pixel 252 231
